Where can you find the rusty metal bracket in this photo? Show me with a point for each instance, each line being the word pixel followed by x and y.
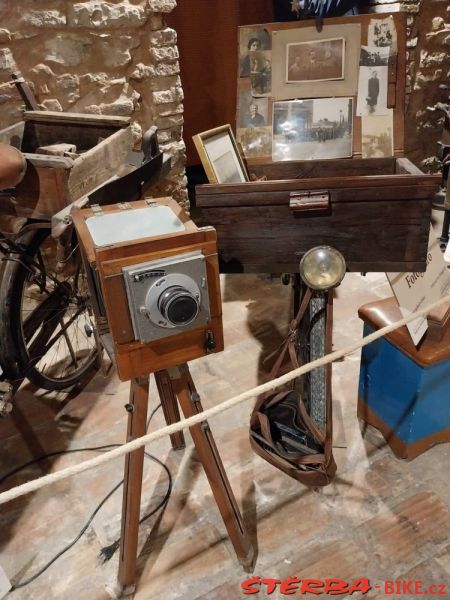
pixel 310 201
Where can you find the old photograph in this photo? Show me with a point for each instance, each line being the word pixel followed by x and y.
pixel 320 60
pixel 312 129
pixel 252 112
pixel 261 73
pixel 250 41
pixel 372 56
pixel 255 142
pixel 377 136
pixel 372 91
pixel 382 33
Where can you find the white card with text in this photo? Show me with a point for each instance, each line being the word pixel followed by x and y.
pixel 418 290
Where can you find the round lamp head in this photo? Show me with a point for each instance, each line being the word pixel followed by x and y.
pixel 322 268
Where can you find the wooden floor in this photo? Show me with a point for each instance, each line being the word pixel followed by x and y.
pixel 383 518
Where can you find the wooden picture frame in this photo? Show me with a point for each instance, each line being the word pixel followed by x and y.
pixel 220 156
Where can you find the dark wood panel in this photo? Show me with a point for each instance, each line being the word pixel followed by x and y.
pixel 208 43
pixel 334 168
pixel 269 238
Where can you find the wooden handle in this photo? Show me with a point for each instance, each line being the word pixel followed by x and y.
pixel 309 201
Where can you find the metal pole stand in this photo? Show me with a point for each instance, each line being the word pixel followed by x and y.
pixel 174 386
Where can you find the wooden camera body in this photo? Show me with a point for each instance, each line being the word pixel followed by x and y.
pixel 154 282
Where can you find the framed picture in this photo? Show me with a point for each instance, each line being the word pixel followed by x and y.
pixel 318 60
pixel 312 129
pixel 220 156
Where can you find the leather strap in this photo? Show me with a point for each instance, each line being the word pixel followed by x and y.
pixel 311 469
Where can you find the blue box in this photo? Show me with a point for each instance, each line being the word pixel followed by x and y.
pixel 404 391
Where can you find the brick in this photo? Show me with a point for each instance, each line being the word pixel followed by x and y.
pixel 164 54
pixel 5 36
pixel 106 15
pixel 44 18
pixel 67 51
pixel 162 6
pixel 163 37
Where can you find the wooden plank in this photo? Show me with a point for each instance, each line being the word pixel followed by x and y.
pixel 315 168
pixel 377 234
pixel 342 189
pixel 99 163
pixel 45 161
pixel 39 116
pixel 43 191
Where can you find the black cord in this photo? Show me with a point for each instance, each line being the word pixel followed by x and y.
pixel 106 553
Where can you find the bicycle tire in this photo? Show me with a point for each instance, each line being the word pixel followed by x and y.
pixel 26 332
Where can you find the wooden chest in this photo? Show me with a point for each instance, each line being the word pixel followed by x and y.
pixel 53 182
pixel 375 211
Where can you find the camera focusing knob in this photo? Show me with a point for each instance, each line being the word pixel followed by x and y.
pixel 210 342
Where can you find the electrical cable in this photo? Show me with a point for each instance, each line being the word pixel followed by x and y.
pixel 106 553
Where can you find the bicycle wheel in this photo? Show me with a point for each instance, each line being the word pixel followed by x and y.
pixel 45 330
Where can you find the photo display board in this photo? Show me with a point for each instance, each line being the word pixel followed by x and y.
pixel 305 94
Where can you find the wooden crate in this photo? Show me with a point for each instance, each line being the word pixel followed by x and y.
pixel 377 214
pixel 376 211
pixel 52 182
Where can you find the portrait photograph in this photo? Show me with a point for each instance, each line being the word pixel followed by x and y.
pixel 319 60
pixel 251 40
pixel 255 142
pixel 312 129
pixel 377 136
pixel 372 91
pixel 261 73
pixel 220 156
pixel 372 56
pixel 252 112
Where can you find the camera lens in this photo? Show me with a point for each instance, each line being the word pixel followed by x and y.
pixel 178 305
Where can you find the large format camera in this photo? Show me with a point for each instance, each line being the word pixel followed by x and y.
pixel 154 282
pixel 168 296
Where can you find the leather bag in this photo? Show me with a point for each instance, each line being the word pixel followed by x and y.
pixel 283 433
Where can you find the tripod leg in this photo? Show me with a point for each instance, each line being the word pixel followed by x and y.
pixel 170 407
pixel 209 456
pixel 134 462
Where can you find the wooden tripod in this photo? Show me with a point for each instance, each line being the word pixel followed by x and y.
pixel 173 385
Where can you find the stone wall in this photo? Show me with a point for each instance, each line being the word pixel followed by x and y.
pixel 114 58
pixel 428 67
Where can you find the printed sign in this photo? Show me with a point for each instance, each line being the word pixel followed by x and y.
pixel 418 290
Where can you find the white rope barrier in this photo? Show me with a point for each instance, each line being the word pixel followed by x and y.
pixel 93 463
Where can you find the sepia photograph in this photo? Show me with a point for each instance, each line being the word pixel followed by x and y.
pixel 255 142
pixel 372 56
pixel 261 73
pixel 220 156
pixel 250 41
pixel 377 136
pixel 320 60
pixel 372 91
pixel 312 129
pixel 382 33
pixel 252 112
